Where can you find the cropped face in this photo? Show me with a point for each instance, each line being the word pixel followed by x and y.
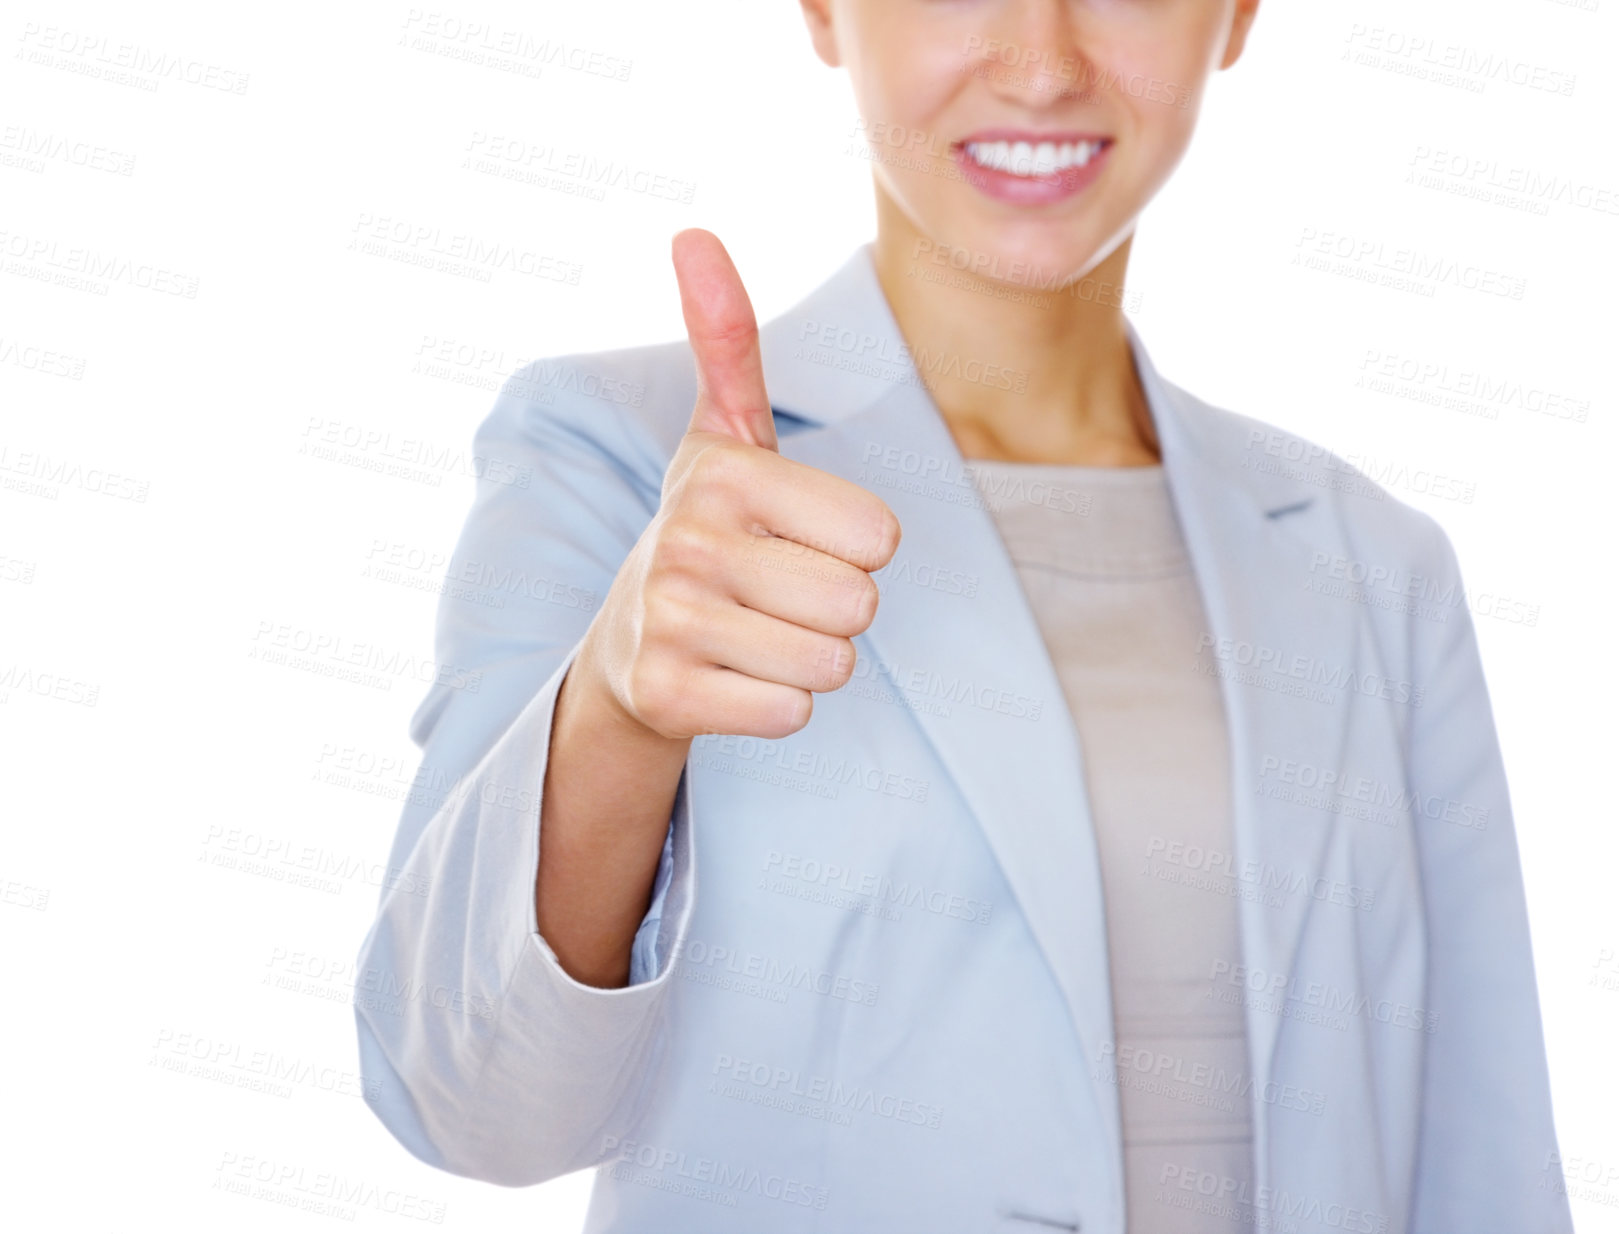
pixel 1027 134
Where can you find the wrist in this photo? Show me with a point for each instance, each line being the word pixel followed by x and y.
pixel 588 700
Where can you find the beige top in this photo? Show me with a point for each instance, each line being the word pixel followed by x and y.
pixel 1102 561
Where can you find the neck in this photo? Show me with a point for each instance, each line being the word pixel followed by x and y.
pixel 1038 375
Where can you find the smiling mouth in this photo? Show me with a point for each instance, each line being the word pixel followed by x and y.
pixel 1034 160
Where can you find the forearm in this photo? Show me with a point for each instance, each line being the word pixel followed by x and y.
pixel 609 790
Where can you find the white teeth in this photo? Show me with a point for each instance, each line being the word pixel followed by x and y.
pixel 1023 159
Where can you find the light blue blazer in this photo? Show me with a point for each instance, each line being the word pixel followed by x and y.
pixel 871 992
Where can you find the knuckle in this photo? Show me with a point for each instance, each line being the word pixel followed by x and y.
pixel 740 332
pixel 719 465
pixel 685 546
pixel 887 533
pixel 648 690
pixel 866 596
pixel 772 713
pixel 673 621
pixel 795 712
pixel 835 663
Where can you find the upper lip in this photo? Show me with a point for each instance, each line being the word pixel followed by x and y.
pixel 1034 137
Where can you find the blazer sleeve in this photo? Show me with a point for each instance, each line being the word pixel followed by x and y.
pixel 1487 1149
pixel 478 1052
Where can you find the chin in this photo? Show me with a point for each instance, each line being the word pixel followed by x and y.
pixel 1046 256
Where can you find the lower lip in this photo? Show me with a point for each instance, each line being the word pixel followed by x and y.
pixel 1030 190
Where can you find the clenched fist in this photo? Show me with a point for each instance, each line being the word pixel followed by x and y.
pixel 741 597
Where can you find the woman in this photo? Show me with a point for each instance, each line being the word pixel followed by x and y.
pixel 932 773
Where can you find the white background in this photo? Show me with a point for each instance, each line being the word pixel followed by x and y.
pixel 130 940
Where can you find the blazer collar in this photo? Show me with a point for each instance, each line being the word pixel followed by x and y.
pixel 972 673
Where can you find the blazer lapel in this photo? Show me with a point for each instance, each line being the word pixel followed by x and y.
pixel 975 675
pixel 1252 568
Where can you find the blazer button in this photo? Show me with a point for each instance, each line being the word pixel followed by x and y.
pixel 1034 1222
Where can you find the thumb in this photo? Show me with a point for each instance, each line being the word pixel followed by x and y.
pixel 724 336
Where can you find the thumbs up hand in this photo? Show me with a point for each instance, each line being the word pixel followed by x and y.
pixel 731 398
pixel 740 599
